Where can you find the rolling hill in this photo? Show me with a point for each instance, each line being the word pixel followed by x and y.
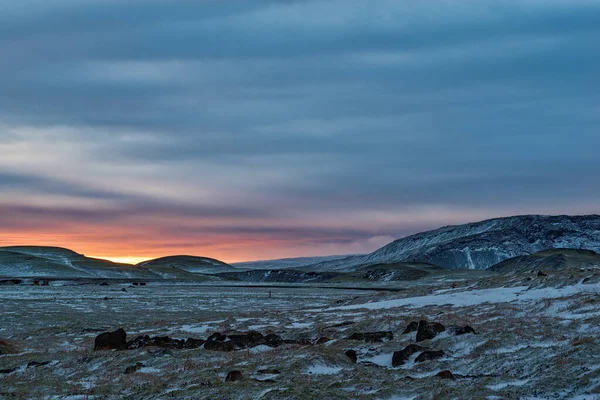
pixel 554 259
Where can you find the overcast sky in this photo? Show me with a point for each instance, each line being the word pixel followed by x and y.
pixel 260 129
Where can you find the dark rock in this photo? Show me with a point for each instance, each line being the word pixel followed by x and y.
pixel 234 376
pixel 351 354
pixel 268 371
pixel 215 345
pixel 104 284
pixel 400 357
pixel 8 370
pixel 322 340
pixel 372 337
pixel 428 330
pixel 247 339
pixel 429 355
pixel 540 273
pixel 6 347
pixel 192 343
pixel 123 290
pixel 116 340
pixel 217 336
pixel 446 375
pixel 133 368
pixel 273 340
pixel 413 326
pixel 463 330
pixel 33 364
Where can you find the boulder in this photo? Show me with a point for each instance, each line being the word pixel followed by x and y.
pixel 428 330
pixel 116 340
pixel 429 355
pixel 133 368
pixel 6 347
pixel 413 326
pixel 372 337
pixel 33 364
pixel 218 342
pixel 192 343
pixel 247 339
pixel 268 371
pixel 401 357
pixel 463 330
pixel 351 354
pixel 446 375
pixel 234 376
pixel 322 340
pixel 273 340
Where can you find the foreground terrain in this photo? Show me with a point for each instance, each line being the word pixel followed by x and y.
pixel 537 337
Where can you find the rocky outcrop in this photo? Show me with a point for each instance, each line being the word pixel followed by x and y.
pixel 401 357
pixel 372 337
pixel 165 342
pixel 234 376
pixel 428 330
pixel 351 354
pixel 116 340
pixel 413 326
pixel 429 355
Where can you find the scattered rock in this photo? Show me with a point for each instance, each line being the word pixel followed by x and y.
pixel 322 340
pixel 351 354
pixel 372 337
pixel 268 371
pixel 463 330
pixel 234 376
pixel 428 330
pixel 116 340
pixel 218 342
pixel 401 357
pixel 273 340
pixel 413 326
pixel 6 347
pixel 165 342
pixel 33 364
pixel 429 355
pixel 446 375
pixel 247 339
pixel 133 368
pixel 7 371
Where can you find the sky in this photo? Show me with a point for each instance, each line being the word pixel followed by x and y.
pixel 247 130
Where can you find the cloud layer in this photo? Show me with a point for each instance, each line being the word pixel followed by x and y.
pixel 257 129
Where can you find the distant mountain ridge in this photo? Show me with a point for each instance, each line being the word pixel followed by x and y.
pixel 480 245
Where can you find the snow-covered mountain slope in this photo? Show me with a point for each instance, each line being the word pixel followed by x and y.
pixel 482 244
pixel 285 263
pixel 188 264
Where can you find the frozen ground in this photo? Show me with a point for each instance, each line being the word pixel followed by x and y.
pixel 538 338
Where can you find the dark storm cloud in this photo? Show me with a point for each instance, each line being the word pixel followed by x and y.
pixel 290 109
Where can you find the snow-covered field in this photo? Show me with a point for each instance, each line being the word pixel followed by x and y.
pixel 537 338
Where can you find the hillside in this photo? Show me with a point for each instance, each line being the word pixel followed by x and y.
pixel 57 262
pixel 180 265
pixel 554 259
pixel 482 244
